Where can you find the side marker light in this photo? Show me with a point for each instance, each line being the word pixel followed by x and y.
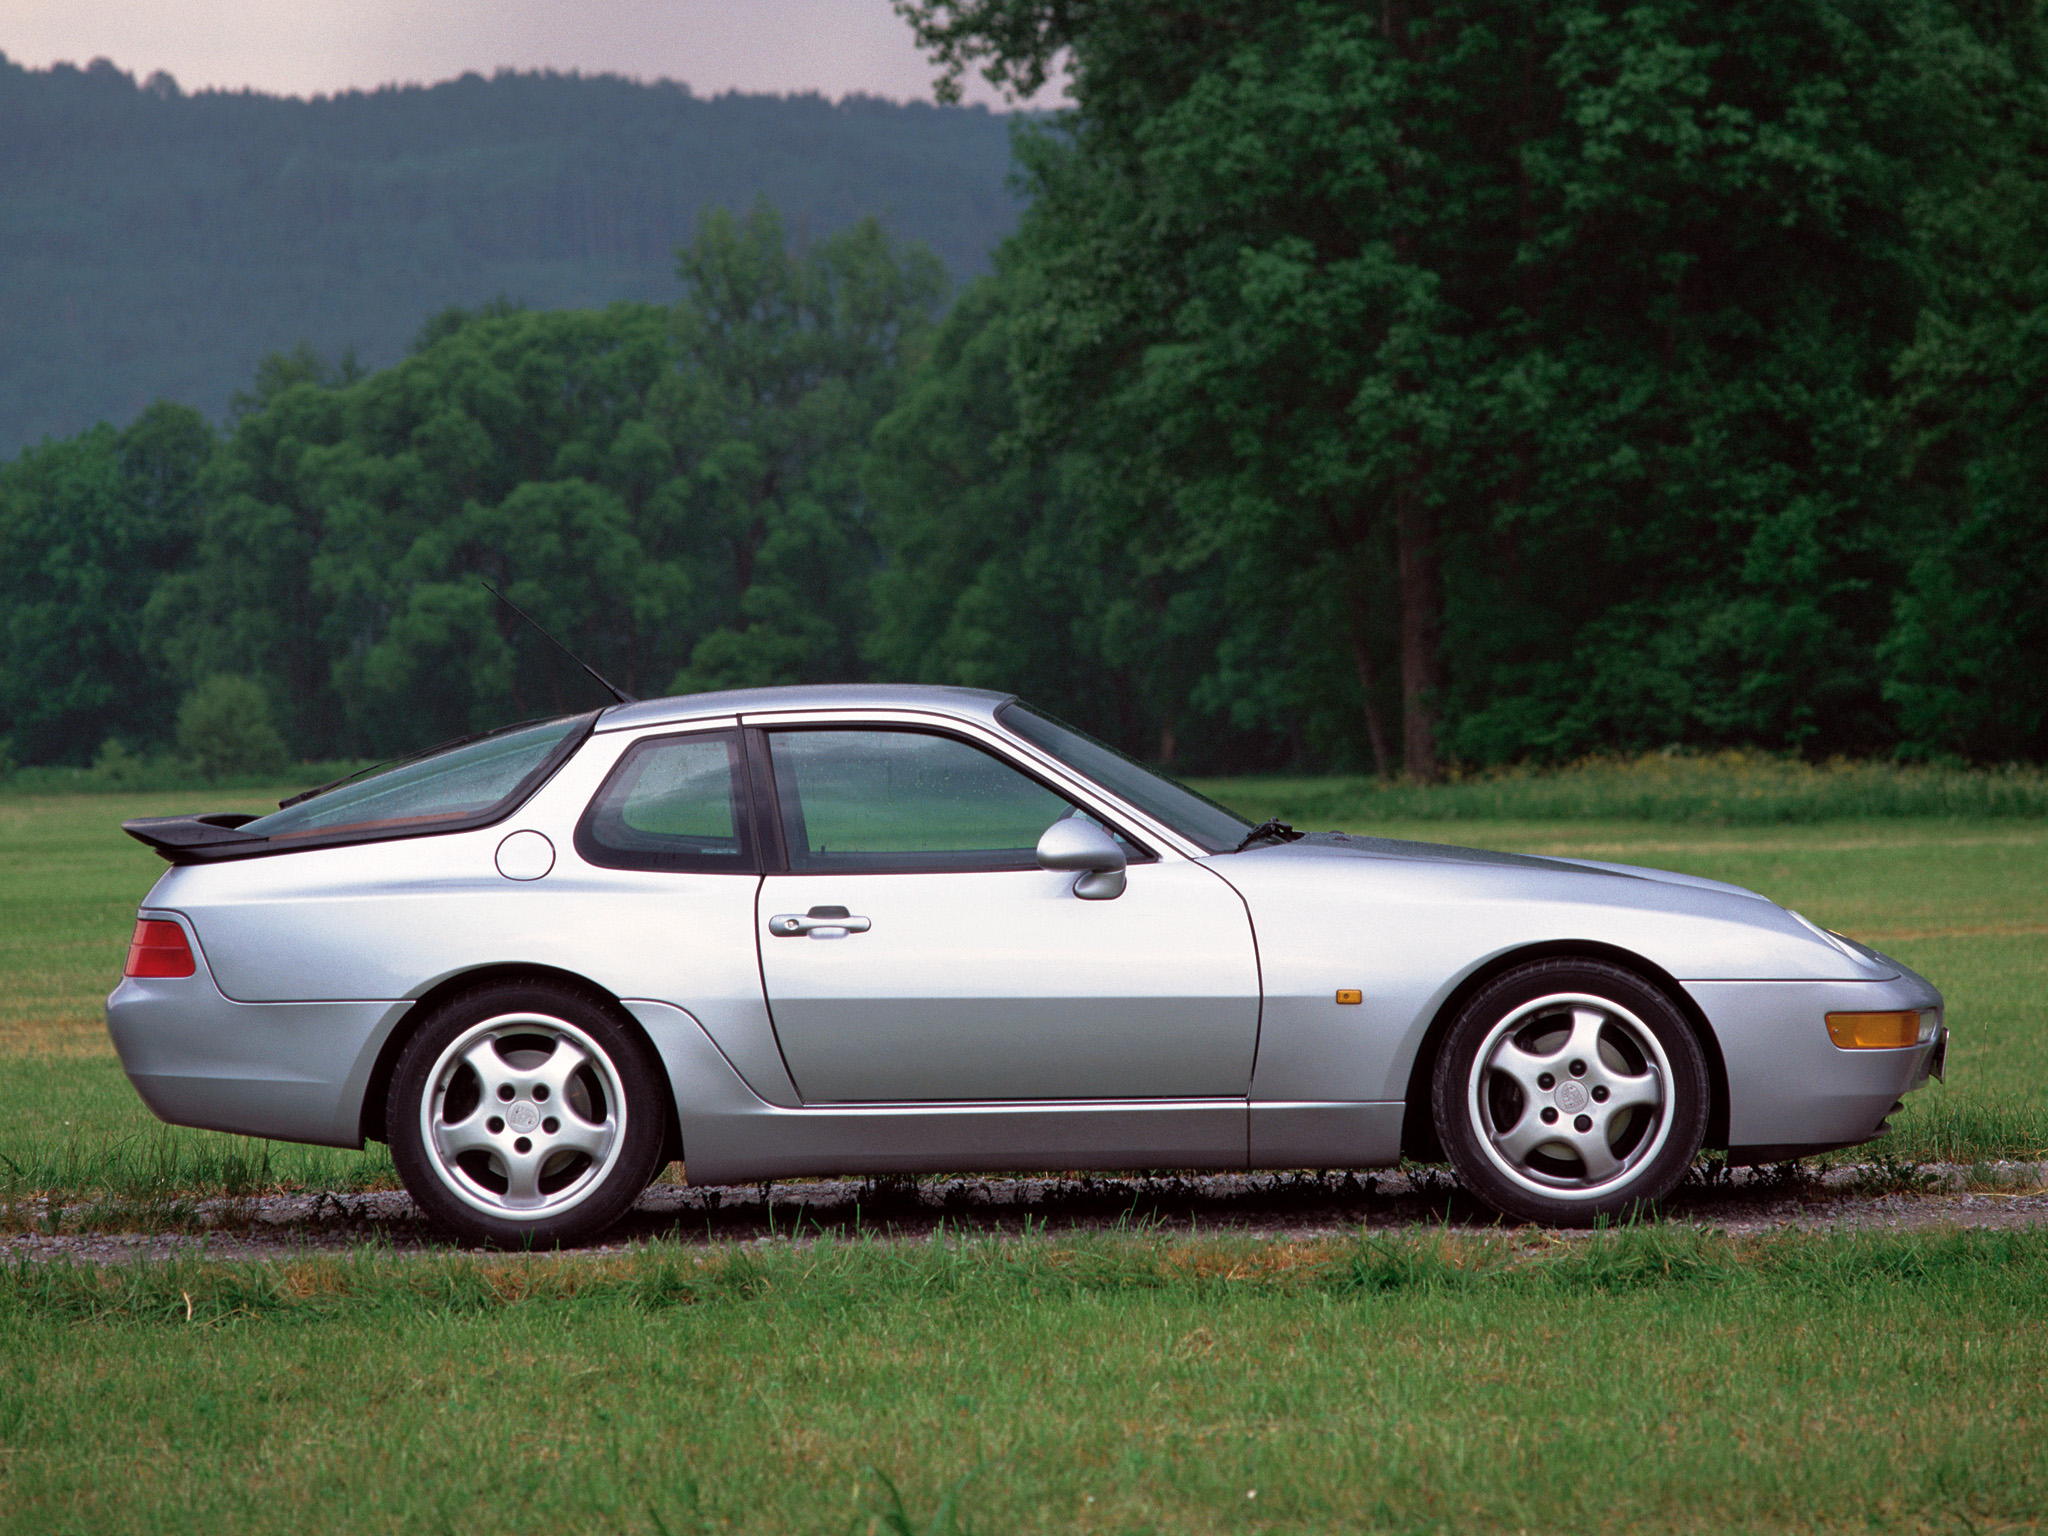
pixel 1874 1031
pixel 159 949
pixel 1350 995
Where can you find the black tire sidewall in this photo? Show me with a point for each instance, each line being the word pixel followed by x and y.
pixel 1690 1090
pixel 640 1079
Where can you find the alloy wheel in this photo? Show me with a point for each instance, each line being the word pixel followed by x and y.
pixel 523 1117
pixel 1570 1095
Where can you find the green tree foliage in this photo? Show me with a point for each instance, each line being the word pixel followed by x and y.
pixel 350 527
pixel 995 576
pixel 1001 570
pixel 1538 355
pixel 667 491
pixel 1481 380
pixel 788 361
pixel 1968 654
pixel 224 727
pixel 87 529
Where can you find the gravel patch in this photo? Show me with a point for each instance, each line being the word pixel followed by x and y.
pixel 1856 1197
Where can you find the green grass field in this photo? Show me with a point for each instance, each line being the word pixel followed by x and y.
pixel 1654 1379
pixel 1644 1380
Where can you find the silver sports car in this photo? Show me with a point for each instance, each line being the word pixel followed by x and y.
pixel 829 930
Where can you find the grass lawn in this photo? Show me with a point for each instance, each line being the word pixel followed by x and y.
pixel 1643 1380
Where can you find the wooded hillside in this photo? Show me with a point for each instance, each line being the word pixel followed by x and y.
pixel 156 244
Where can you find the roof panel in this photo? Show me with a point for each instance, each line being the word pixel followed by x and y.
pixel 967 703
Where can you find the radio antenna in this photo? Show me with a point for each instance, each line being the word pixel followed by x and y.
pixel 617 693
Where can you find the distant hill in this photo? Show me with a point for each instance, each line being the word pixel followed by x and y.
pixel 157 244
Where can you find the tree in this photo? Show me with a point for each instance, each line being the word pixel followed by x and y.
pixel 1967 658
pixel 1550 344
pixel 87 527
pixel 350 527
pixel 788 359
pixel 671 492
pixel 1003 569
pixel 993 572
pixel 224 727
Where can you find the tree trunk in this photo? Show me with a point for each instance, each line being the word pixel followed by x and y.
pixel 1421 570
pixel 1361 658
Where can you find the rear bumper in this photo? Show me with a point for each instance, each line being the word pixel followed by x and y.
pixel 1790 1088
pixel 287 1071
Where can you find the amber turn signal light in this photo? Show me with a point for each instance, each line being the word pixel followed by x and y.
pixel 1874 1031
pixel 159 949
pixel 1350 995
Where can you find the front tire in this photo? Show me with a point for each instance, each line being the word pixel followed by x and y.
pixel 526 1114
pixel 1569 1090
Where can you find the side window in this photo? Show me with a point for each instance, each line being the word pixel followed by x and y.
pixel 673 802
pixel 905 800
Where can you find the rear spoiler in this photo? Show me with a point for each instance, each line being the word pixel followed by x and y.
pixel 183 838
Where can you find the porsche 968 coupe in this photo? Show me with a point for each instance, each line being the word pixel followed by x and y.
pixel 867 929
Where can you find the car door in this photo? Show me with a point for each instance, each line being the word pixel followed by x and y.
pixel 964 971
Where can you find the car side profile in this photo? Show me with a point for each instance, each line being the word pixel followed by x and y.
pixel 866 929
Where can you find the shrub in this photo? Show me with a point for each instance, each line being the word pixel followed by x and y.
pixel 224 726
pixel 116 767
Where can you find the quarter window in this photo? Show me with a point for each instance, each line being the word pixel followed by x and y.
pixel 905 800
pixel 673 802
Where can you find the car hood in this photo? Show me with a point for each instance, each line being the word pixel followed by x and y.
pixel 1691 925
pixel 1450 853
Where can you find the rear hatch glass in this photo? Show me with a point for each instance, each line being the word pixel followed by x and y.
pixel 458 784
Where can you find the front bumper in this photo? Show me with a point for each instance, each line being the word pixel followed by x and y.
pixel 1791 1090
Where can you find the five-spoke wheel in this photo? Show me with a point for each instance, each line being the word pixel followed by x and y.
pixel 1568 1090
pixel 525 1114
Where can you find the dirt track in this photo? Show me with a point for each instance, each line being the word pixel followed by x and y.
pixel 1278 1205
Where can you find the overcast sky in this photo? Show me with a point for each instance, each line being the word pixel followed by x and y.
pixel 300 47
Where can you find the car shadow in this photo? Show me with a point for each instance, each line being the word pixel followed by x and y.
pixel 1293 1203
pixel 1287 1204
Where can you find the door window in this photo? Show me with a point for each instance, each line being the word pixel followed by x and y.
pixel 673 802
pixel 905 800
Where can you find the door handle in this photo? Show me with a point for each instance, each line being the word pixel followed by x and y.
pixel 825 922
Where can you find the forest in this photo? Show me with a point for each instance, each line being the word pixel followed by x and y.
pixel 158 243
pixel 1400 390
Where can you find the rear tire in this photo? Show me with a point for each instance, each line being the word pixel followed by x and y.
pixel 1569 1090
pixel 526 1115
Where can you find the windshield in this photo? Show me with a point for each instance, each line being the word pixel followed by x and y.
pixel 1194 816
pixel 452 785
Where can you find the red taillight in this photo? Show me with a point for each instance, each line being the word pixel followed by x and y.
pixel 159 949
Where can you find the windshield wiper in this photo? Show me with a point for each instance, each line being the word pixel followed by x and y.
pixel 1275 829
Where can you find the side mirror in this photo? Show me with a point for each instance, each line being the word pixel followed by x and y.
pixel 1071 843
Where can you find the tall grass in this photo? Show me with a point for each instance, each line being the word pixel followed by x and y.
pixel 154 1178
pixel 1937 1127
pixel 1735 788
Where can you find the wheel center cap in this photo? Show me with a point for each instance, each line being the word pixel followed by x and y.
pixel 1571 1097
pixel 524 1117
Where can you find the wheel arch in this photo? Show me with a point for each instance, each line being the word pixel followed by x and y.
pixel 1418 1128
pixel 378 1089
